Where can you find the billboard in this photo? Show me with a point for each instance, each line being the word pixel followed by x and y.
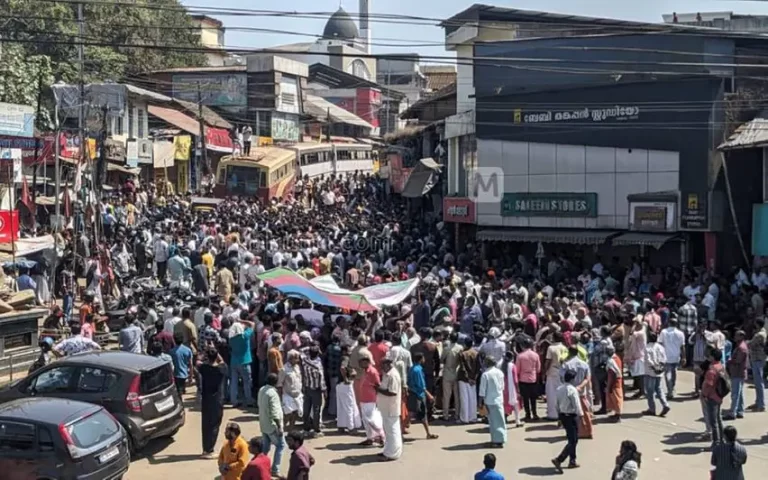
pixel 216 90
pixel 17 120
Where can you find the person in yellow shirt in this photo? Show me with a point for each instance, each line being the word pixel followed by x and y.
pixel 208 261
pixel 233 457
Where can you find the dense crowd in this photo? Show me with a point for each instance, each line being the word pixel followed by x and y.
pixel 532 340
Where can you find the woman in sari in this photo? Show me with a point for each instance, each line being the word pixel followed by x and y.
pixel 614 397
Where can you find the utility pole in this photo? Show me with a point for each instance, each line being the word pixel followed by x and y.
pixel 203 158
pixel 37 140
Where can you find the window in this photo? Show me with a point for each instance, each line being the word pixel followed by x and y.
pixel 17 437
pixel 120 125
pixel 45 440
pixel 53 380
pixel 93 380
pixel 288 98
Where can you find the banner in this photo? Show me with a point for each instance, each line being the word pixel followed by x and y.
pixel 182 177
pixel 182 145
pixel 382 295
pixel 9 226
pixel 292 284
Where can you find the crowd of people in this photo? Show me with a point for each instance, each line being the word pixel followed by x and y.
pixel 533 341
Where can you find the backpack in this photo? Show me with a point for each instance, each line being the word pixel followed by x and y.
pixel 722 383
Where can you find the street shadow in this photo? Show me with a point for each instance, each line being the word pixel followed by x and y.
pixel 546 439
pixel 682 438
pixel 244 418
pixel 478 430
pixel 153 448
pixel 538 471
pixel 755 441
pixel 543 427
pixel 687 450
pixel 467 447
pixel 342 447
pixel 357 460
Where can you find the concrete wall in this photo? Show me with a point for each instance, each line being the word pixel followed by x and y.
pixel 612 173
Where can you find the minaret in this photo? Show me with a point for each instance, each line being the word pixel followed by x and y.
pixel 365 28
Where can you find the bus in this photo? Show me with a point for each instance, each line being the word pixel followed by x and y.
pixel 269 172
pixel 316 159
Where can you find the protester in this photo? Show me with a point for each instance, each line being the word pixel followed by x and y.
pixel 569 411
pixel 259 468
pixel 213 373
pixel 728 457
pixel 271 421
pixel 290 384
pixel 234 453
pixel 627 462
pixel 489 472
pixel 367 384
pixel 301 460
pixel 419 395
pixel 388 402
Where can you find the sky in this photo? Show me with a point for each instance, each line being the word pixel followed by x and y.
pixel 425 39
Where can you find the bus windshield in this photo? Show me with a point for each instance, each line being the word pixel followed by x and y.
pixel 243 180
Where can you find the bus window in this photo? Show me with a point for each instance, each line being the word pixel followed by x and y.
pixel 242 180
pixel 263 178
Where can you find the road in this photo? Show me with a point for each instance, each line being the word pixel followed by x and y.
pixel 669 447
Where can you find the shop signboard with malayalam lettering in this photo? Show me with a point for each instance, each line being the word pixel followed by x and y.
pixel 694 211
pixel 579 205
pixel 652 216
pixel 458 210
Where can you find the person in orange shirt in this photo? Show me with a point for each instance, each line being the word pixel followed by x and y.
pixel 233 457
pixel 86 308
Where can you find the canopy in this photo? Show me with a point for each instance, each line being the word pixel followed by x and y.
pixel 290 283
pixel 576 237
pixel 382 295
pixel 655 240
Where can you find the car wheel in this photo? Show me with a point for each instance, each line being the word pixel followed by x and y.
pixel 134 447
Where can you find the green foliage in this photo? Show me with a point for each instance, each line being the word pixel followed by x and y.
pixel 44 35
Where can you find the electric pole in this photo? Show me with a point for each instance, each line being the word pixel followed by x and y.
pixel 203 158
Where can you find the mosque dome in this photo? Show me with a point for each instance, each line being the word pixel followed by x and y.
pixel 340 26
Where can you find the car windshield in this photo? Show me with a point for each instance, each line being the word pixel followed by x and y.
pixel 92 430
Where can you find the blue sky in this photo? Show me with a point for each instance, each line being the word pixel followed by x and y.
pixel 402 34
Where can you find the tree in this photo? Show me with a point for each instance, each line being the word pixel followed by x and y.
pixel 19 77
pixel 48 29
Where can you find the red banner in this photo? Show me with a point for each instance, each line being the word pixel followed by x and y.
pixel 9 226
pixel 218 139
pixel 458 210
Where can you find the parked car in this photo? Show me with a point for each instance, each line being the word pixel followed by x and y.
pixel 138 390
pixel 57 439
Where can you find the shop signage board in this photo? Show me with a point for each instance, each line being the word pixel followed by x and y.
pixel 694 211
pixel 653 218
pixel 580 205
pixel 17 120
pixel 132 153
pixel 458 210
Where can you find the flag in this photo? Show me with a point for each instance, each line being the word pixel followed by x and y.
pixel 26 199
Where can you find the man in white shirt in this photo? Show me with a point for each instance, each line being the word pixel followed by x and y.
pixel 171 322
pixel 389 401
pixel 161 258
pixel 691 290
pixel 655 364
pixel 569 410
pixel 673 341
pixel 492 396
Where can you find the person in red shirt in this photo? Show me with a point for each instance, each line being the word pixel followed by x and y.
pixel 259 468
pixel 378 349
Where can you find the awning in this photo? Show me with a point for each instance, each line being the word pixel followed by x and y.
pixel 422 178
pixel 111 167
pixel 175 118
pixel 322 109
pixel 216 139
pixel 576 237
pixel 655 240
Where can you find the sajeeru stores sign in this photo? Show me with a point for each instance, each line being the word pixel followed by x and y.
pixel 597 115
pixel 549 205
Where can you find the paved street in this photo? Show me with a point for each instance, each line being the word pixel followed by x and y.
pixel 669 448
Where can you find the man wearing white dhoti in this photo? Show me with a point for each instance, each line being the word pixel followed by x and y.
pixel 388 402
pixel 289 381
pixel 556 353
pixel 368 382
pixel 347 414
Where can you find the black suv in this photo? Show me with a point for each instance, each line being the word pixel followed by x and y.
pixel 55 439
pixel 137 389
